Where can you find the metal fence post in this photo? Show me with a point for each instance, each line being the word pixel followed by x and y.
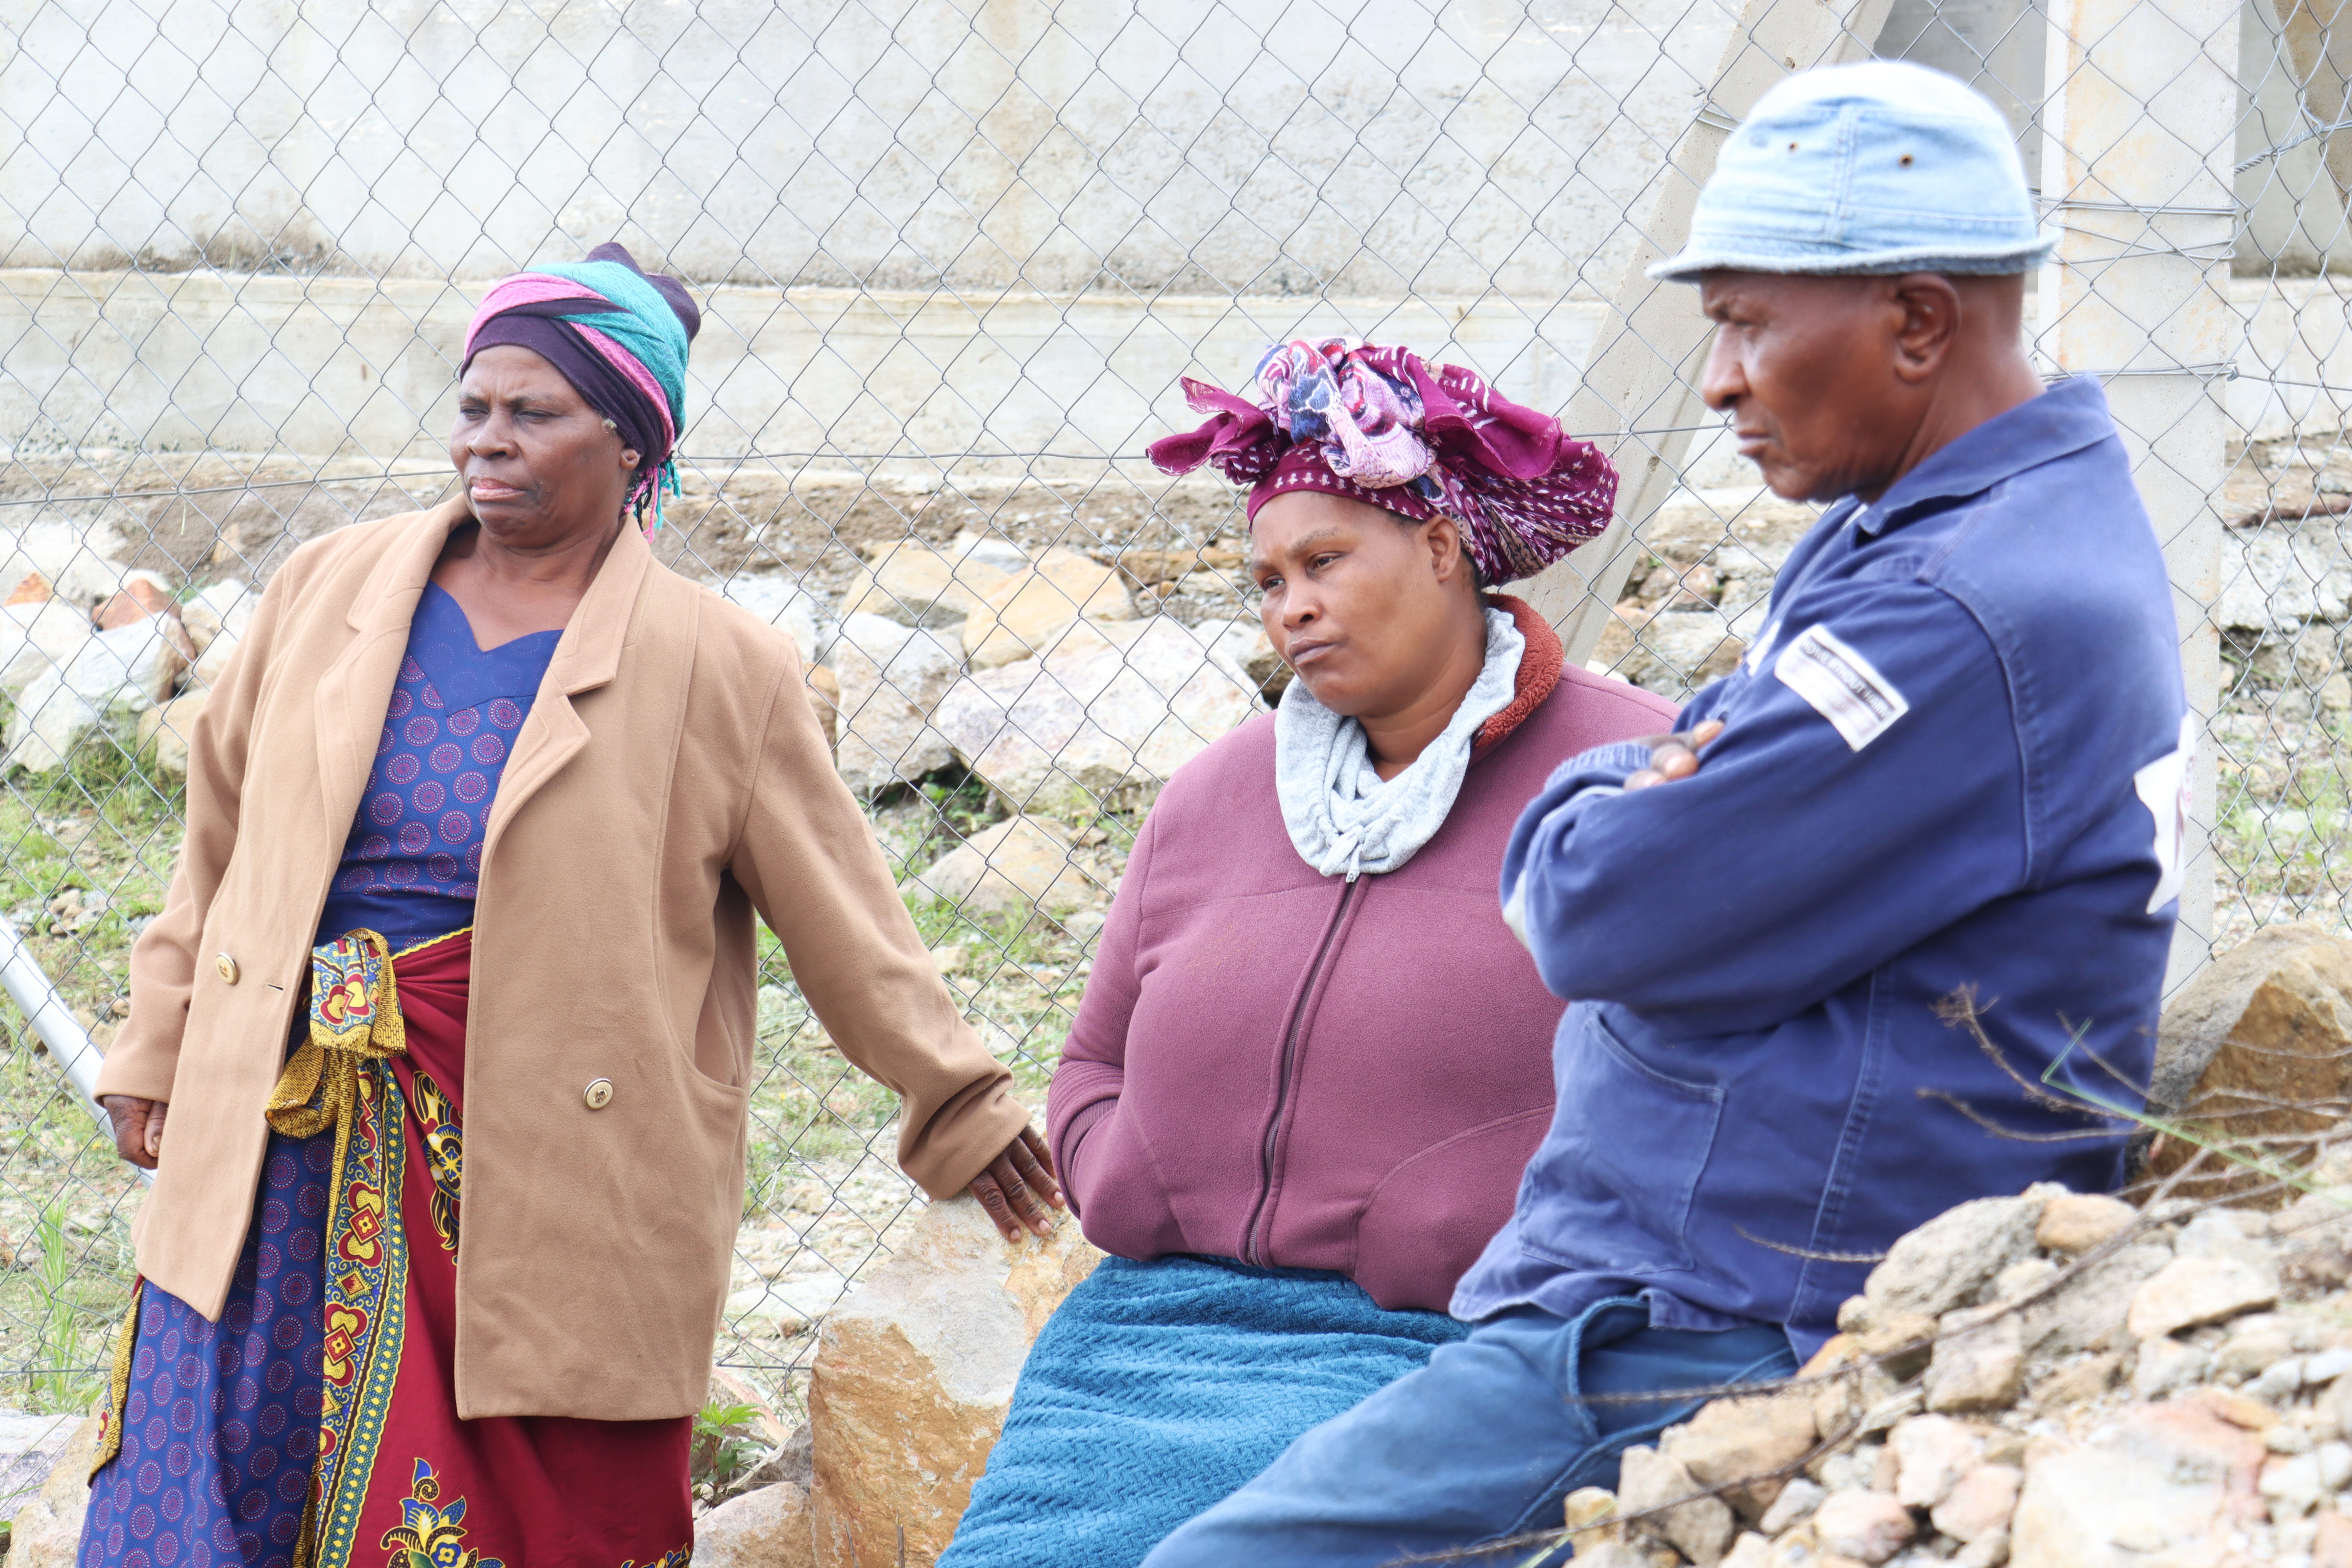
pixel 1639 394
pixel 2139 124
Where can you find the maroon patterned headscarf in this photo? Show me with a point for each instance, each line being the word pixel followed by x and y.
pixel 1377 424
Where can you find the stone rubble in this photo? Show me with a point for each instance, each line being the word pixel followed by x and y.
pixel 1021 863
pixel 1071 735
pixel 2197 1415
pixel 891 678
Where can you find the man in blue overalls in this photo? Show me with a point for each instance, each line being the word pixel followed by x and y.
pixel 1951 766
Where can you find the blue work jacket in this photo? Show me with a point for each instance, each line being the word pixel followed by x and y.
pixel 1953 763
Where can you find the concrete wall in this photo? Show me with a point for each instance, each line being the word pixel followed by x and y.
pixel 991 225
pixel 1379 149
pixel 188 360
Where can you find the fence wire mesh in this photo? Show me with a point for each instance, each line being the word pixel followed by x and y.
pixel 954 256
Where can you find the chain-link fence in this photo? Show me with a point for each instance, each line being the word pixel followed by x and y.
pixel 954 256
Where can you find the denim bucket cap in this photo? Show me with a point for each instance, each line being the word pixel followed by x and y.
pixel 1881 167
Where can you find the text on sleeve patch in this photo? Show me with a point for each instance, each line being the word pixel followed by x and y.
pixel 1842 686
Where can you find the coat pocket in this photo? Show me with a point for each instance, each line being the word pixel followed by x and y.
pixel 1611 1188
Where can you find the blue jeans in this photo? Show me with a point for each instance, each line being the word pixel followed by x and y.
pixel 1481 1445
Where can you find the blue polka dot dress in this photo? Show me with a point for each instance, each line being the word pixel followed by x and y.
pixel 412 866
pixel 220 1428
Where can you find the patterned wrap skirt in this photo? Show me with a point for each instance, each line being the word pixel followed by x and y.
pixel 315 1425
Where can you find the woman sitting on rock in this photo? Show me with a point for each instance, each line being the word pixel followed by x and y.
pixel 1312 1060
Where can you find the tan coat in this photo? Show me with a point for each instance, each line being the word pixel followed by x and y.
pixel 671 779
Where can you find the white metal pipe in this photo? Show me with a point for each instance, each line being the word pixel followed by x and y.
pixel 28 986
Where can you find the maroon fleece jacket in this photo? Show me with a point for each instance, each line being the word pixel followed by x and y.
pixel 1289 1069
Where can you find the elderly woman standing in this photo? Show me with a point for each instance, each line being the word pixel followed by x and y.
pixel 480 817
pixel 1312 1060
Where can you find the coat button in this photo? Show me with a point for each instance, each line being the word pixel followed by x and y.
pixel 227 967
pixel 598 1094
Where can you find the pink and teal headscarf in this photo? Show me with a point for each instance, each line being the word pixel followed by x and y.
pixel 619 335
pixel 1376 424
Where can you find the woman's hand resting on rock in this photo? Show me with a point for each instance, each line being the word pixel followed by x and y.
pixel 1015 1188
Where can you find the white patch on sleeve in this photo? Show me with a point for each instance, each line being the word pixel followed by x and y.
pixel 1844 687
pixel 2164 788
pixel 1763 648
pixel 1515 912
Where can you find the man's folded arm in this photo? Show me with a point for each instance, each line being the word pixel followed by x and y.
pixel 1793 861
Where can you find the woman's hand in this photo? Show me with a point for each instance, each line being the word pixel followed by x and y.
pixel 139 1127
pixel 1015 1189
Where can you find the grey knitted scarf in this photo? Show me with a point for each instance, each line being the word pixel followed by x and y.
pixel 1343 817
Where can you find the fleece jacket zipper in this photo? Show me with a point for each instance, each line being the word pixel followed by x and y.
pixel 1253 1244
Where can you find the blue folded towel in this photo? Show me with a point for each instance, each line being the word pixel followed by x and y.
pixel 1160 1388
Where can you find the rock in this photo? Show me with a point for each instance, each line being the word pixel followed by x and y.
pixel 1672 652
pixel 989 549
pixel 794 1459
pixel 209 668
pixel 1852 1391
pixel 2250 1414
pixel 2088 1312
pixel 2331 1546
pixel 1979 1361
pixel 32 589
pixel 914 1369
pixel 45 1531
pixel 2283 576
pixel 892 676
pixel 2259 1033
pixel 89 579
pixel 166 732
pixel 1071 736
pixel 2159 1478
pixel 1946 1262
pixel 29 1447
pixel 824 697
pixel 50 726
pixel 1733 1439
pixel 2325 1366
pixel 1750 1551
pixel 911 582
pixel 1589 1515
pixel 1629 1554
pixel 1869 1527
pixel 2286 1440
pixel 1700 1528
pixel 1932 1453
pixel 2255 1344
pixel 2078 1383
pixel 764 1529
pixel 1024 615
pixel 2290 1483
pixel 2188 1292
pixel 142 600
pixel 112 679
pixel 1981 1504
pixel 36 638
pixel 218 607
pixel 1005 871
pixel 783 604
pixel 1793 1505
pixel 1244 645
pixel 2282 1380
pixel 2077 1222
